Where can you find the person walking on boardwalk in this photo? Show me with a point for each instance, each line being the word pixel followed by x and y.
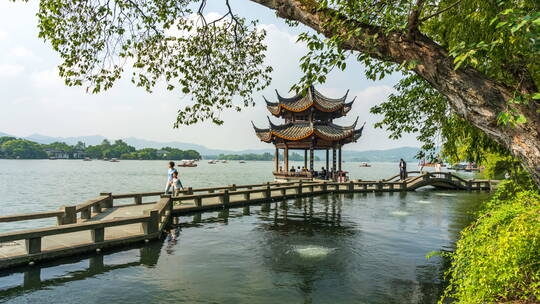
pixel 170 172
pixel 402 169
pixel 176 183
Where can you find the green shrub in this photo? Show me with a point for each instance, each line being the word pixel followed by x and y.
pixel 497 258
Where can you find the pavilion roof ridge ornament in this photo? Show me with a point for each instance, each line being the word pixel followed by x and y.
pixel 311 99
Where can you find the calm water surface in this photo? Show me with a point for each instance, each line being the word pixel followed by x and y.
pixel 361 248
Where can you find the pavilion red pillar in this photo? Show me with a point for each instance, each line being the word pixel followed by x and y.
pixel 286 158
pixel 277 159
pixel 333 161
pixel 327 160
pixel 305 159
pixel 339 160
pixel 311 159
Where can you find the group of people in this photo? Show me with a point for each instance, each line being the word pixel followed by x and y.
pixel 299 171
pixel 173 181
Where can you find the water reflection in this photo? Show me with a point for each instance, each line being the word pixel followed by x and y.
pixel 331 248
pixel 47 275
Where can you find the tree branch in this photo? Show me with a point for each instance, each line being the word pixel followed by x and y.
pixel 414 18
pixel 440 11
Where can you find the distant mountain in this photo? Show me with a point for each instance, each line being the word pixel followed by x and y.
pixel 6 135
pixel 88 140
pixel 390 155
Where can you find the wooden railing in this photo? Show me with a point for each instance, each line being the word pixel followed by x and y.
pixel 153 221
pixel 96 228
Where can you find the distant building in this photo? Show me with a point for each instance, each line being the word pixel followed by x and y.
pixel 57 154
pixel 162 153
pixel 79 154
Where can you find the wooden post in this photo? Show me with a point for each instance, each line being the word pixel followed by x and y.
pixel 98 235
pixel 108 203
pixel 246 210
pixel 391 185
pixel 97 207
pixel 33 245
pixel 325 185
pixel 189 191
pixel 469 185
pixel 351 186
pixel 305 158
pixel 299 190
pixel 86 213
pixel 247 196
pixel 211 191
pixel 283 192
pixel 225 198
pixel 379 185
pixel 268 192
pixel 138 199
pixel 152 225
pixel 198 201
pixel 69 216
pixel 364 187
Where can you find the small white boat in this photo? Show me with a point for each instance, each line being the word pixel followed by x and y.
pixel 87 159
pixel 212 162
pixel 114 160
pixel 242 162
pixel 187 163
pixel 224 161
pixel 365 165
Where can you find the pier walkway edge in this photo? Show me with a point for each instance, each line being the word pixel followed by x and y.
pixel 98 223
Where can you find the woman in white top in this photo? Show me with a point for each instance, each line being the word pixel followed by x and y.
pixel 169 177
pixel 176 183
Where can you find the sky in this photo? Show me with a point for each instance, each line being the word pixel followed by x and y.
pixel 34 99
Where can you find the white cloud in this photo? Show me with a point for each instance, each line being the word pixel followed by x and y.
pixel 23 53
pixel 3 35
pixel 10 70
pixel 46 79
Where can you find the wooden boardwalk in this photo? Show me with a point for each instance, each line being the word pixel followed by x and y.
pixel 98 223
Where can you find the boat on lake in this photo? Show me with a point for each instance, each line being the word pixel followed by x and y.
pixel 187 163
pixel 114 160
pixel 87 159
pixel 224 161
pixel 365 165
pixel 212 162
pixel 242 162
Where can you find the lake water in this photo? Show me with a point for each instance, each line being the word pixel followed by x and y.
pixel 361 248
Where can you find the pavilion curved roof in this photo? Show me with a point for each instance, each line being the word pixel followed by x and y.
pixel 296 131
pixel 312 98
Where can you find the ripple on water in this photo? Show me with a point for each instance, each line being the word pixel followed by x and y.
pixel 423 202
pixel 446 194
pixel 312 251
pixel 399 213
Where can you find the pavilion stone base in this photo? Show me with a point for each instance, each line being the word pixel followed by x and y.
pixel 281 177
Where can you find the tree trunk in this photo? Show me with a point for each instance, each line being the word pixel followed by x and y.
pixel 472 95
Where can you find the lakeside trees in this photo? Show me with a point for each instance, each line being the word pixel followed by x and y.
pixel 11 147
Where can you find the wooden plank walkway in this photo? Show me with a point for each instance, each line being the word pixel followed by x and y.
pixel 98 224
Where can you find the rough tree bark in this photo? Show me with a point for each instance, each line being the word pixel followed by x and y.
pixel 471 94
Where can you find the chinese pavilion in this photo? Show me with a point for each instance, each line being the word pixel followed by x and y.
pixel 308 126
